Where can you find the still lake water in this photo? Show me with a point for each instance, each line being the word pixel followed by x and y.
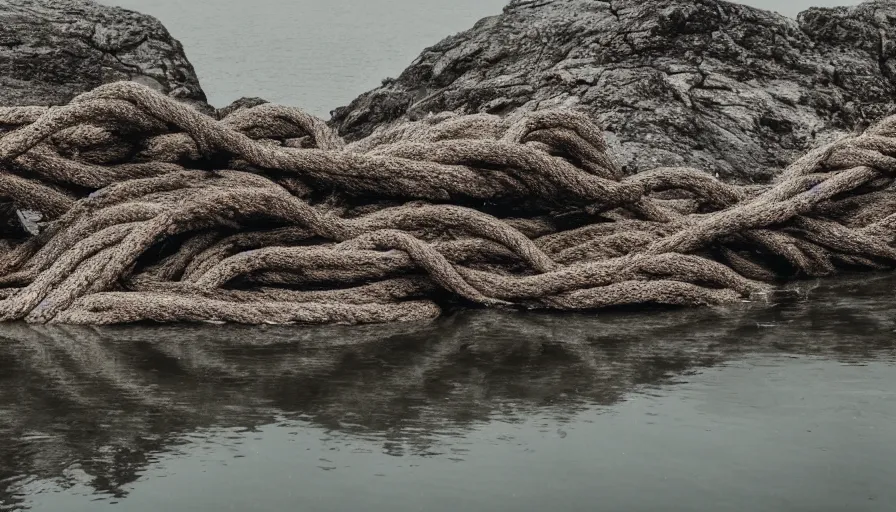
pixel 788 407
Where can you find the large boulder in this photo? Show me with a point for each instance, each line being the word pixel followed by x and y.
pixel 731 89
pixel 53 50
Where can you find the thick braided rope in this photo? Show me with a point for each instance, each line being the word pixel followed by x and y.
pixel 154 211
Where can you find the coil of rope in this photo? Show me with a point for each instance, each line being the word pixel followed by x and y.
pixel 154 211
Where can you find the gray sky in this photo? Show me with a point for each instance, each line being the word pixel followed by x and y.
pixel 793 7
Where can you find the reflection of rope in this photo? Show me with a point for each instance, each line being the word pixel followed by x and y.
pixel 302 227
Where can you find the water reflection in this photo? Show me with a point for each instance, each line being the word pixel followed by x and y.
pixel 108 401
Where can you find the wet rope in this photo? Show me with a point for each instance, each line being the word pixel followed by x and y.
pixel 152 210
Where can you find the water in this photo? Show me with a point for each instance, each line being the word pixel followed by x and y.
pixel 322 54
pixel 786 407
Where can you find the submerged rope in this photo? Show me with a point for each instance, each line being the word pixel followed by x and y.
pixel 154 211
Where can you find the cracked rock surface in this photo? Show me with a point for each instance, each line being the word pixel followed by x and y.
pixel 727 88
pixel 53 50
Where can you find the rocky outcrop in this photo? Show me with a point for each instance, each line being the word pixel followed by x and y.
pixel 724 87
pixel 731 89
pixel 53 50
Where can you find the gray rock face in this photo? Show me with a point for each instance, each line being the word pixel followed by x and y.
pixel 727 88
pixel 53 50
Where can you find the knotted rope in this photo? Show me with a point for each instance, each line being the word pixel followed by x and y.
pixel 154 211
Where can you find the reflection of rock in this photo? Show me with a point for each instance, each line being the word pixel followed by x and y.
pixel 53 50
pixel 111 398
pixel 711 84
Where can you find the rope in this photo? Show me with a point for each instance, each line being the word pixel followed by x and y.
pixel 154 211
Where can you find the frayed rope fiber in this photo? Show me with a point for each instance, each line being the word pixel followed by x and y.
pixel 152 210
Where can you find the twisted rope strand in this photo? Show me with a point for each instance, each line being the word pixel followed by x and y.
pixel 152 210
